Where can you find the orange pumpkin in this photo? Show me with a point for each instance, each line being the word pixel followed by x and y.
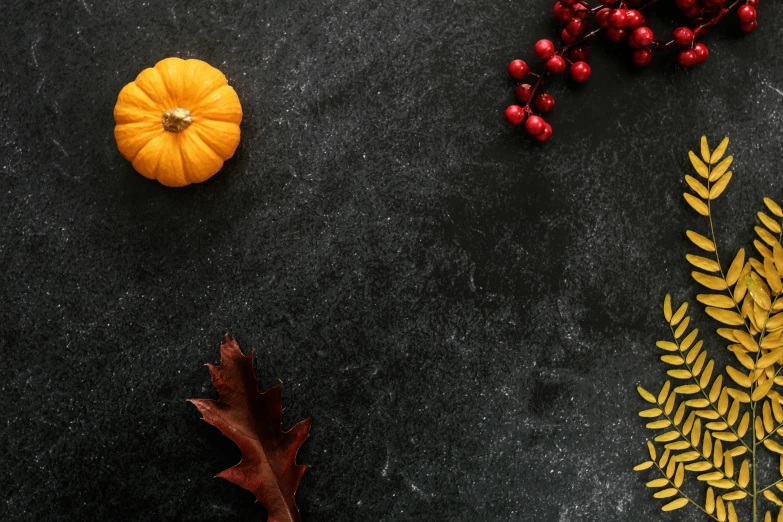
pixel 178 121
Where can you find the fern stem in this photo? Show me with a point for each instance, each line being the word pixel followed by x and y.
pixel 747 324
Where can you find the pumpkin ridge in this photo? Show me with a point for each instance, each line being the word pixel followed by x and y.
pixel 182 160
pixel 225 108
pixel 194 97
pixel 140 92
pixel 159 79
pixel 172 74
pixel 199 156
pixel 148 134
pixel 208 145
pixel 154 171
pixel 134 106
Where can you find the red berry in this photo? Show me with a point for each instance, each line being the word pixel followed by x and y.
pixel 749 27
pixel 693 12
pixel 568 3
pixel 746 14
pixel 563 13
pixel 615 35
pixel 642 57
pixel 701 52
pixel 607 2
pixel 684 5
pixel 544 49
pixel 575 26
pixel 580 11
pixel 580 72
pixel 754 3
pixel 618 19
pixel 683 37
pixel 580 53
pixel 515 114
pixel 545 135
pixel 523 92
pixel 687 59
pixel 635 19
pixel 602 17
pixel 535 125
pixel 567 37
pixel 643 36
pixel 518 69
pixel 556 65
pixel 545 102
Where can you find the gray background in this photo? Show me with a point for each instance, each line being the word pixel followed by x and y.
pixel 464 313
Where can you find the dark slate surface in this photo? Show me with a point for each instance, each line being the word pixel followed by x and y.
pixel 463 313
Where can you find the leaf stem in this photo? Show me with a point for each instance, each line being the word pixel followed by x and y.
pixel 778 481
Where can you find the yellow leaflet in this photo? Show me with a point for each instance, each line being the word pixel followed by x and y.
pixel 763 250
pixel 738 377
pixel 716 300
pixel 699 165
pixel 677 504
pixel 773 207
pixel 775 322
pixel 705 150
pixel 761 390
pixel 697 204
pixel 770 223
pixel 777 254
pixel 697 187
pixel 718 188
pixel 667 346
pixel 681 329
pixel 757 293
pixel 746 340
pixel 667 308
pixel 744 474
pixel 771 274
pixel 700 241
pixel 769 495
pixel 677 317
pixel 666 493
pixel 718 153
pixel 732 276
pixel 771 445
pixel 765 236
pixel 770 358
pixel 711 282
pixel 709 504
pixel 646 395
pixel 702 262
pixel 735 495
pixel 720 169
pixel 728 317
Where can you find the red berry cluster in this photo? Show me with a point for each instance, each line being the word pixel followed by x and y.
pixel 623 21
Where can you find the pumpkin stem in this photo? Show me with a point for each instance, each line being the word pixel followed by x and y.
pixel 177 120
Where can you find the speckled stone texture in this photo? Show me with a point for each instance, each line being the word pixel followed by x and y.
pixel 465 314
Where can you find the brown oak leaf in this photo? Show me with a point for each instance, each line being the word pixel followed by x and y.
pixel 251 420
